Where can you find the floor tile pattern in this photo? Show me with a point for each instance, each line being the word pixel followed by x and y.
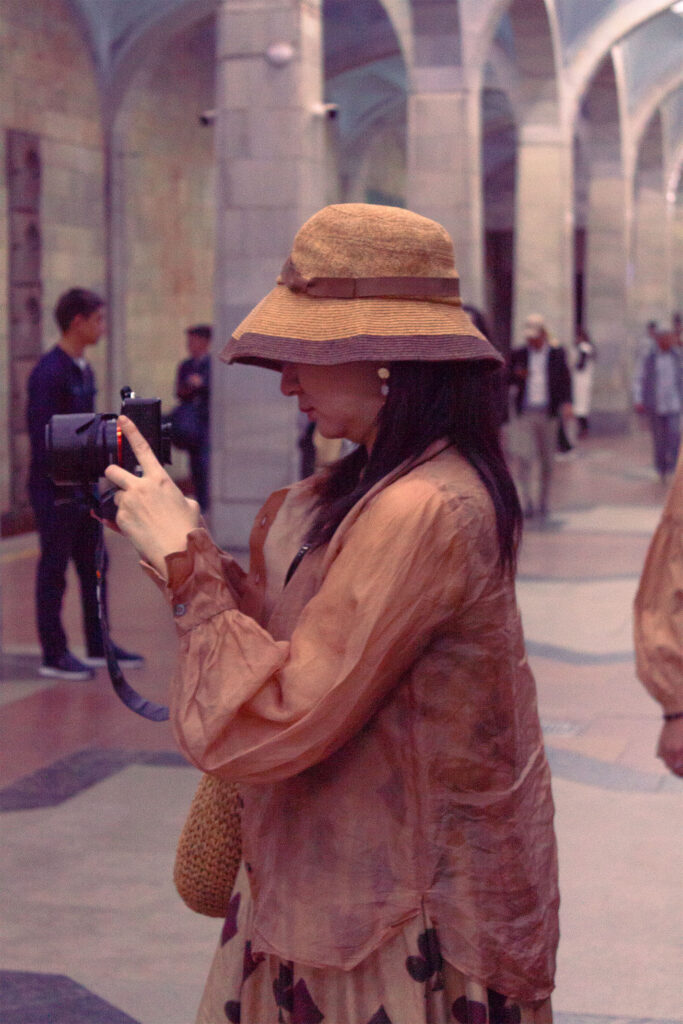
pixel 93 798
pixel 30 998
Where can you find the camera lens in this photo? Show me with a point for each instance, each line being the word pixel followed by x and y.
pixel 80 446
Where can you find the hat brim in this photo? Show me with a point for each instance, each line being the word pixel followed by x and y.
pixel 290 327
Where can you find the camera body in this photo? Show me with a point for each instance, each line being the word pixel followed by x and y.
pixel 79 446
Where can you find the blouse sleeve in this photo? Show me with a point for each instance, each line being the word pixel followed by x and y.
pixel 247 707
pixel 658 619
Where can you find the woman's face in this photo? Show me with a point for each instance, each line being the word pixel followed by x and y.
pixel 344 400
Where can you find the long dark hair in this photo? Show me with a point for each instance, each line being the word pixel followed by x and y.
pixel 426 402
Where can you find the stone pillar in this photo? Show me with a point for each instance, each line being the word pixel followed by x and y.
pixel 650 284
pixel 676 234
pixel 544 231
pixel 674 250
pixel 270 156
pixel 444 167
pixel 606 307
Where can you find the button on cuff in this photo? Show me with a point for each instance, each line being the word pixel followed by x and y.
pixel 179 609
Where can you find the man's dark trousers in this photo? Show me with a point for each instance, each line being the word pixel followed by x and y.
pixel 66 530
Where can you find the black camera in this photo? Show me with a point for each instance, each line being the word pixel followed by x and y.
pixel 79 446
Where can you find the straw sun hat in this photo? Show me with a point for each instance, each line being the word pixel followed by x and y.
pixel 362 282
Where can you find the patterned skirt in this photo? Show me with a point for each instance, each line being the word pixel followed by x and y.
pixel 405 981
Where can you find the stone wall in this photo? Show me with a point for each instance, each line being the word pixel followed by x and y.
pixel 48 87
pixel 166 171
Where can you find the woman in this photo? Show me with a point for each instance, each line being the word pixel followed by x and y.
pixel 582 378
pixel 366 683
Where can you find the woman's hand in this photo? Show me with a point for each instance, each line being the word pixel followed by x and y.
pixel 153 513
pixel 670 747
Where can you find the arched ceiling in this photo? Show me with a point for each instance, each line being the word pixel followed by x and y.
pixel 578 18
pixel 362 50
pixel 652 53
pixel 355 29
pixel 113 23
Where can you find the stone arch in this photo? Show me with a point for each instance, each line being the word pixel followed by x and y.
pixel 600 241
pixel 674 197
pixel 529 21
pixel 616 24
pixel 443 179
pixel 527 31
pixel 650 292
pixel 436 33
pixel 499 175
pixel 651 103
pixel 153 35
pixel 366 78
pixel 163 200
pixel 399 14
pixel 85 29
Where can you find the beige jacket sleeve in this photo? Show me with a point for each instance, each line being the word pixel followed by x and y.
pixel 658 618
pixel 250 708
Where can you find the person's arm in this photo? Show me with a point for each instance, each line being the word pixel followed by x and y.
pixel 517 368
pixel 658 623
pixel 43 402
pixel 247 706
pixel 184 387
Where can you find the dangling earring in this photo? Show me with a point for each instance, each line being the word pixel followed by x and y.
pixel 383 373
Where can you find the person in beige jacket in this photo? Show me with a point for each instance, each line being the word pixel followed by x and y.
pixel 365 683
pixel 658 623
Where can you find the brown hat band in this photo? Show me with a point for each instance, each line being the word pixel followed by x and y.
pixel 429 288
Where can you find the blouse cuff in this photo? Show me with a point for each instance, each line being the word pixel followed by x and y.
pixel 196 588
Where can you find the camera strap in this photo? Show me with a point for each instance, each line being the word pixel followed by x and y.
pixel 124 691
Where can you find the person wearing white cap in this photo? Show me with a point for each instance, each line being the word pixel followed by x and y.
pixel 541 383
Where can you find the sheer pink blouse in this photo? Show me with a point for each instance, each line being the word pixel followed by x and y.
pixel 380 717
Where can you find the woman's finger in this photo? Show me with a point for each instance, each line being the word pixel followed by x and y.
pixel 120 477
pixel 142 449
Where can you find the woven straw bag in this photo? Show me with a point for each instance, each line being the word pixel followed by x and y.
pixel 210 848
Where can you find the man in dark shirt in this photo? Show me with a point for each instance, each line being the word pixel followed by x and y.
pixel 62 381
pixel 192 387
pixel 541 385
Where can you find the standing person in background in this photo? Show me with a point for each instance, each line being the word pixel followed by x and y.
pixel 677 328
pixel 658 623
pixel 191 418
pixel 648 340
pixel 539 378
pixel 582 378
pixel 658 394
pixel 62 381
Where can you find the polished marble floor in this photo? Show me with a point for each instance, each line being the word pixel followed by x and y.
pixel 92 798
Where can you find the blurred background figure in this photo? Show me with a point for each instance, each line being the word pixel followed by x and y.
pixel 541 388
pixel 648 339
pixel 658 624
pixel 677 329
pixel 658 394
pixel 582 378
pixel 190 419
pixel 63 382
